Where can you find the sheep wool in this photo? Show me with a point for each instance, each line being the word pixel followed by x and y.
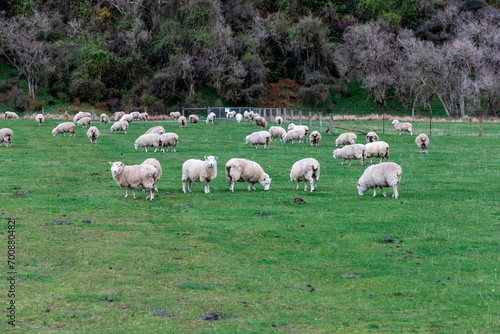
pixel 293 134
pixel 259 138
pixel 11 115
pixel 137 177
pixel 400 127
pixel 104 118
pixel 195 170
pixel 119 126
pixel 354 152
pixel 210 117
pixel 63 128
pixel 279 120
pixel 6 136
pixel 127 117
pixel 307 169
pixel 422 142
pixel 156 129
pixel 175 114
pixel 292 126
pixel 384 174
pixel 84 122
pixel 238 118
pixel 81 114
pixel 377 149
pixel 40 119
pixel 182 121
pixel 277 132
pixel 243 170
pixel 371 137
pixel 148 140
pixel 260 122
pixel 193 119
pixel 315 138
pixel 169 139
pixel 143 116
pixel 156 164
pixel 93 134
pixel 118 115
pixel 347 138
pixel 135 115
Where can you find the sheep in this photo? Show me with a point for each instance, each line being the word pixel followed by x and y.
pixel 168 139
pixel 315 138
pixel 148 140
pixel 279 120
pixel 277 132
pixel 230 114
pixel 156 129
pixel 193 119
pixel 128 117
pixel 347 138
pixel 6 136
pixel 119 126
pixel 84 122
pixel 195 170
pixel 243 170
pixel 355 151
pixel 378 149
pixel 143 116
pixel 253 116
pixel 384 174
pixel 422 142
pixel 294 134
pixel 248 114
pixel 238 117
pixel 11 115
pixel 305 170
pixel 156 164
pixel 175 114
pixel 40 119
pixel 292 126
pixel 210 117
pixel 140 177
pixel 182 121
pixel 118 115
pixel 403 127
pixel 93 134
pixel 259 138
pixel 63 128
pixel 260 122
pixel 79 115
pixel 371 137
pixel 104 118
pixel 135 115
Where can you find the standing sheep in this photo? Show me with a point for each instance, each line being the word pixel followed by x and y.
pixel 210 117
pixel 118 115
pixel 238 118
pixel 243 170
pixel 104 118
pixel 378 149
pixel 135 177
pixel 306 170
pixel 81 114
pixel 182 121
pixel 259 138
pixel 143 116
pixel 260 122
pixel 119 126
pixel 148 140
pixel 230 114
pixel 347 138
pixel 279 120
pixel 40 119
pixel 384 174
pixel 156 164
pixel 193 119
pixel 195 170
pixel 128 117
pixel 11 115
pixel 253 116
pixel 135 115
pixel 277 132
pixel 6 136
pixel 175 114
pixel 402 127
pixel 355 152
pixel 422 142
pixel 84 122
pixel 315 138
pixel 248 114
pixel 371 137
pixel 297 133
pixel 156 129
pixel 169 139
pixel 63 128
pixel 292 126
pixel 93 134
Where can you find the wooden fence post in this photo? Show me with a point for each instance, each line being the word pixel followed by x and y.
pixel 321 122
pixel 330 123
pixel 310 121
pixel 300 117
pixel 480 126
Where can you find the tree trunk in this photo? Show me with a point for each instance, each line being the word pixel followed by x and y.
pixel 444 105
pixel 462 106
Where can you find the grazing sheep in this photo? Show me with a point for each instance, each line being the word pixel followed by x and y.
pixel 253 116
pixel 128 117
pixel 371 137
pixel 6 135
pixel 118 115
pixel 63 128
pixel 306 170
pixel 135 177
pixel 315 138
pixel 279 120
pixel 384 174
pixel 135 115
pixel 238 117
pixel 297 133
pixel 156 129
pixel 93 134
pixel 40 119
pixel 104 118
pixel 230 114
pixel 143 116
pixel 402 127
pixel 347 138
pixel 378 149
pixel 182 121
pixel 260 122
pixel 148 140
pixel 120 126
pixel 259 138
pixel 247 114
pixel 10 115
pixel 243 170
pixel 156 164
pixel 210 117
pixel 277 132
pixel 355 152
pixel 195 170
pixel 168 139
pixel 175 114
pixel 81 114
pixel 422 142
pixel 84 122
pixel 292 126
pixel 193 119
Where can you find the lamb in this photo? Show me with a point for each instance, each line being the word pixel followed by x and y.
pixel 378 149
pixel 279 120
pixel 238 117
pixel 11 115
pixel 135 177
pixel 371 137
pixel 195 170
pixel 210 117
pixel 384 174
pixel 243 170
pixel 63 128
pixel 294 134
pixel 156 129
pixel 148 140
pixel 84 122
pixel 315 138
pixel 422 142
pixel 175 114
pixel 259 138
pixel 79 115
pixel 169 139
pixel 260 122
pixel 355 151
pixel 182 121
pixel 120 126
pixel 230 114
pixel 277 132
pixel 128 117
pixel 93 134
pixel 193 119
pixel 306 170
pixel 347 138
pixel 40 119
pixel 156 164
pixel 135 115
pixel 104 118
pixel 6 135
pixel 118 115
pixel 143 116
pixel 403 127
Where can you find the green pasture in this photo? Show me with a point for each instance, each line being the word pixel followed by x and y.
pixel 90 261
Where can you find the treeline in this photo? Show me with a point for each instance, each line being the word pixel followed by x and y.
pixel 122 54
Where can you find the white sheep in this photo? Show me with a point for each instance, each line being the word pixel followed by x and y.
pixel 140 177
pixel 292 126
pixel 297 133
pixel 377 149
pixel 175 114
pixel 384 174
pixel 118 115
pixel 156 164
pixel 119 126
pixel 247 114
pixel 210 117
pixel 402 127
pixel 307 169
pixel 143 116
pixel 230 114
pixel 135 115
pixel 63 128
pixel 6 136
pixel 253 116
pixel 84 122
pixel 156 129
pixel 422 142
pixel 348 152
pixel 243 170
pixel 127 117
pixel 238 117
pixel 277 132
pixel 104 118
pixel 347 138
pixel 259 138
pixel 148 140
pixel 93 134
pixel 279 120
pixel 11 115
pixel 195 170
pixel 260 122
pixel 169 139
pixel 40 119
pixel 81 114
pixel 182 121
pixel 193 119
pixel 371 137
pixel 315 138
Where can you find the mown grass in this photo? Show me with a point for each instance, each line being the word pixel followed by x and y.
pixel 252 254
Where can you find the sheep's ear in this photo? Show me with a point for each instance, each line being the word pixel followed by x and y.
pixel 121 164
pixel 111 163
pixel 290 172
pixel 206 158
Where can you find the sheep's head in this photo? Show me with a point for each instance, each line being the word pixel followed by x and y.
pixel 54 132
pixel 265 182
pixel 291 177
pixel 291 126
pixel 335 154
pixel 395 121
pixel 247 140
pixel 116 168
pixel 361 189
pixel 211 161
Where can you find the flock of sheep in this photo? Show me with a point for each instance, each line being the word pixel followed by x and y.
pixel 146 175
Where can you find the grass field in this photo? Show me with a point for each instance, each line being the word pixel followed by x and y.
pixel 88 260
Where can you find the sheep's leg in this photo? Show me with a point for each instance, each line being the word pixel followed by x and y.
pixel 371 163
pixel 173 149
pixel 395 194
pixel 146 148
pixel 374 191
pixel 298 184
pixel 343 162
pixel 189 185
pixel 253 186
pixel 383 192
pixel 126 192
pixel 184 186
pixel 249 185
pixel 133 193
pixel 349 162
pixel 207 187
pixel 231 186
